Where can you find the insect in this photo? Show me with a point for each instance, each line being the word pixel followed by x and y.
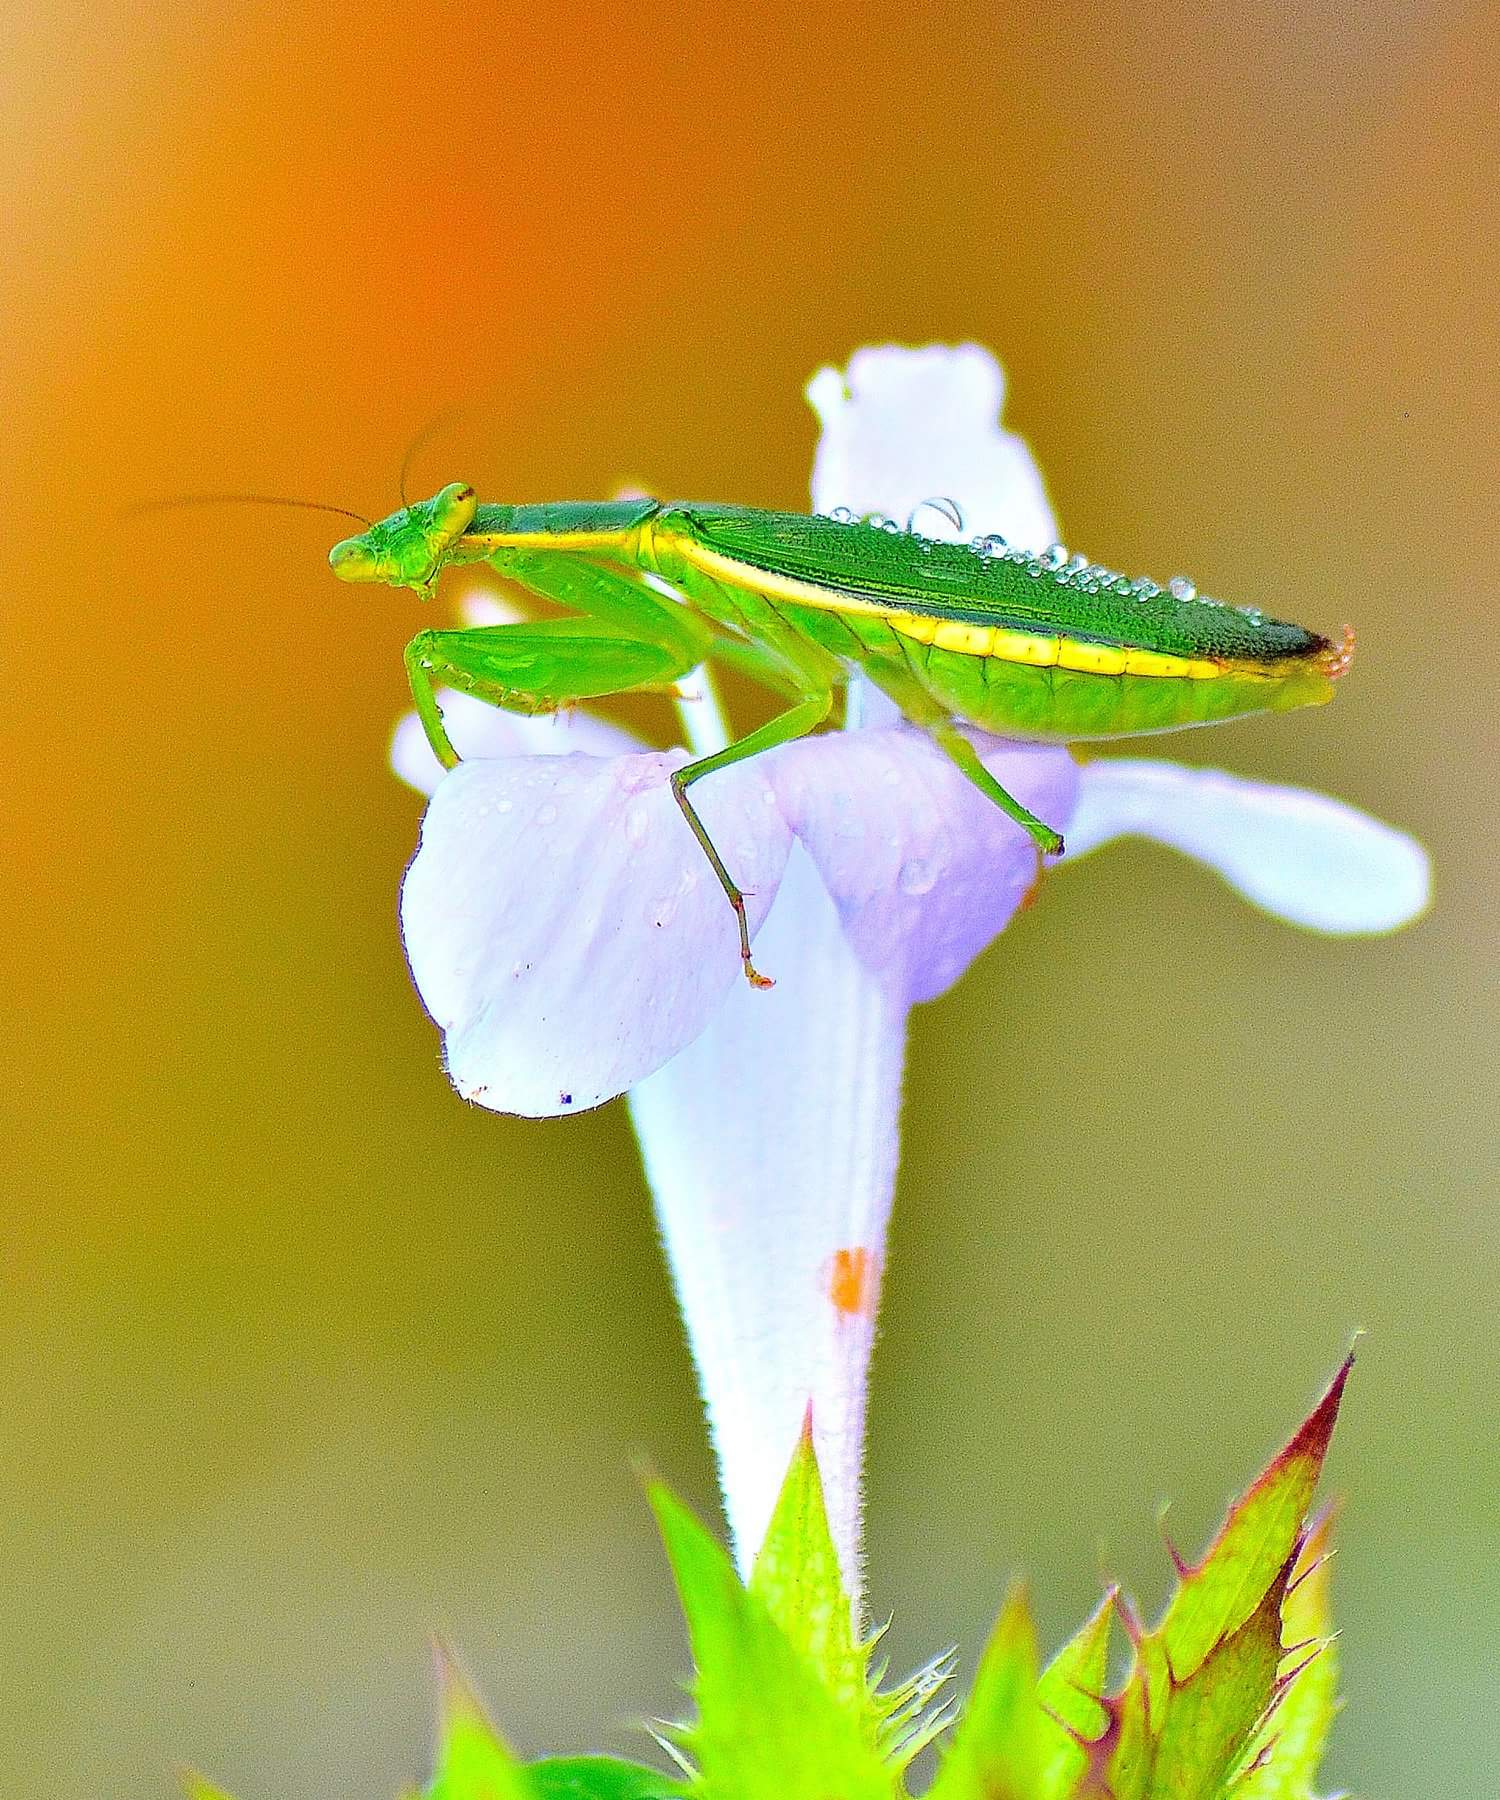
pixel 1041 647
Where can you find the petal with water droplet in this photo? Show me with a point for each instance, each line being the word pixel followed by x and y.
pixel 936 870
pixel 1305 857
pixel 901 425
pixel 564 950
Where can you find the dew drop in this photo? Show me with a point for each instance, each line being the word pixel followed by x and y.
pixel 1180 588
pixel 1144 588
pixel 1055 556
pixel 842 515
pixel 1253 614
pixel 637 825
pixel 917 877
pixel 1077 564
pixel 546 815
pixel 991 544
pixel 504 806
pixel 939 503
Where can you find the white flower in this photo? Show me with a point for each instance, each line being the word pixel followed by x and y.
pixel 571 942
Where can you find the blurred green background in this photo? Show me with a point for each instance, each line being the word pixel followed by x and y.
pixel 304 1359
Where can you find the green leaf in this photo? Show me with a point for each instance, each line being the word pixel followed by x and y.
pixel 1194 1720
pixel 1285 1755
pixel 767 1727
pixel 797 1576
pixel 597 1778
pixel 474 1762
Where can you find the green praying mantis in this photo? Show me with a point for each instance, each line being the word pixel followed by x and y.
pixel 1046 647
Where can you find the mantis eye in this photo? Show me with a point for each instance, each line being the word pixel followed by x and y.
pixel 353 560
pixel 453 510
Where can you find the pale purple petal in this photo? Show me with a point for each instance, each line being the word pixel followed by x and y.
pixel 563 927
pixel 479 730
pixel 901 426
pixel 770 1145
pixel 924 869
pixel 1309 859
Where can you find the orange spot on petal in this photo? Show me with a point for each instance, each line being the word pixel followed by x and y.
pixel 854 1281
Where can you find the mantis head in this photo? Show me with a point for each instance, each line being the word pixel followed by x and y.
pixel 410 547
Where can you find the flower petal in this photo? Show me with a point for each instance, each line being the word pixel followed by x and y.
pixel 479 730
pixel 563 927
pixel 1303 856
pixel 924 870
pixel 902 426
pixel 770 1146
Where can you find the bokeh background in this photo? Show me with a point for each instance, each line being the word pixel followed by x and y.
pixel 304 1359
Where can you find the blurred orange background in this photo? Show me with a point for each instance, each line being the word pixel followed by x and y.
pixel 304 1359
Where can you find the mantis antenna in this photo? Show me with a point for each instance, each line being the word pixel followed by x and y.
pixel 148 506
pixel 423 437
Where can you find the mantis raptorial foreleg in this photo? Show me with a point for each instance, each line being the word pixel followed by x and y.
pixel 631 639
pixel 534 668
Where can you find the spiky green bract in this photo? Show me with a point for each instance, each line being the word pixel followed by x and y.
pixel 1021 1735
pixel 1284 1758
pixel 1196 1714
pixel 597 1778
pixel 1260 1533
pixel 475 1763
pixel 797 1577
pixel 768 1728
pixel 1229 1697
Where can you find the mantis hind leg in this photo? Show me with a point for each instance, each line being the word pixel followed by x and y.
pixel 956 746
pixel 795 722
pixel 782 659
pixel 899 681
pixel 535 668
